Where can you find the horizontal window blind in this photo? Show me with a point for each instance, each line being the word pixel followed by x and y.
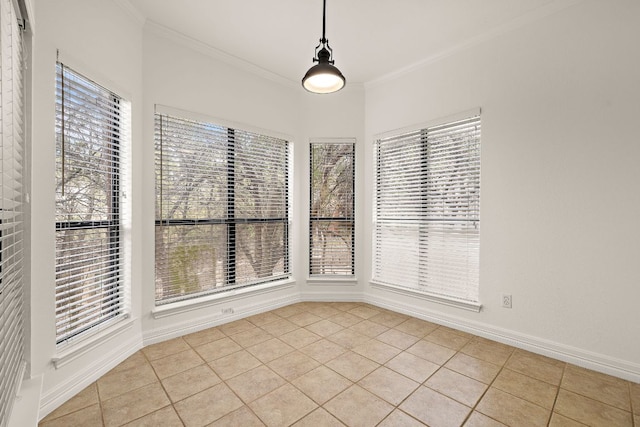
pixel 91 124
pixel 427 211
pixel 331 216
pixel 12 358
pixel 222 208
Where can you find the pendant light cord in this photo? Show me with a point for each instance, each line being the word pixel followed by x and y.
pixel 324 19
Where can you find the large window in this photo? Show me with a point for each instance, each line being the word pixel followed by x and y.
pixel 331 217
pixel 90 132
pixel 222 208
pixel 12 358
pixel 427 210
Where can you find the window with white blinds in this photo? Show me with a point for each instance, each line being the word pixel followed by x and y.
pixel 427 210
pixel 12 358
pixel 91 129
pixel 222 208
pixel 331 216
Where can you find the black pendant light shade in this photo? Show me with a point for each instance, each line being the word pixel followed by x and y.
pixel 324 77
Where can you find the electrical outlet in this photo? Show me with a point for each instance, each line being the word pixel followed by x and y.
pixel 227 311
pixel 506 300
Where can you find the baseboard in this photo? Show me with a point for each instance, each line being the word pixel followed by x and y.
pixel 586 359
pixel 56 396
pixel 210 320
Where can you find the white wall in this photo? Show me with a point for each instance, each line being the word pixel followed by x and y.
pixel 100 40
pixel 560 101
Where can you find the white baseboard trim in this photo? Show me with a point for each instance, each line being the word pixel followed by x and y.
pixel 208 321
pixel 88 374
pixel 597 362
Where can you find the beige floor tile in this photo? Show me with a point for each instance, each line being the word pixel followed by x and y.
pixel 456 331
pixel 251 337
pixel 270 350
pixel 634 389
pixel 217 349
pixel 388 318
pixel 448 339
pixel 476 419
pixel 242 417
pixel 283 406
pixel 234 364
pixel 398 339
pixel 203 337
pixel 207 406
pixel 289 310
pixel 512 410
pixel 236 327
pixel 84 399
pixel 348 338
pixel 416 327
pixel 165 417
pixel 304 318
pixel 190 382
pixel 135 360
pixel 292 365
pixel 636 419
pixel 399 419
pixel 321 384
pixel 344 306
pixel 352 366
pixel 300 338
pixel 435 409
pixel 364 311
pixel 115 383
pixel 412 366
pixel 432 352
pixel 324 328
pixel 456 386
pixel 322 309
pixel 345 319
pixel 388 385
pixel 489 351
pixel 536 366
pixel 357 407
pixel 88 416
pixel 377 351
pixel 604 388
pixel 263 318
pixel 589 411
pixel 255 383
pixel 475 368
pixel 134 404
pixel 323 350
pixel 527 388
pixel 319 418
pixel 368 328
pixel 165 348
pixel 558 420
pixel 279 327
pixel 178 362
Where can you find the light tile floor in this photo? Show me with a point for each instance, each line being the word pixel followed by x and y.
pixel 335 364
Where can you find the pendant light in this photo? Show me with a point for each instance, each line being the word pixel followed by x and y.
pixel 323 77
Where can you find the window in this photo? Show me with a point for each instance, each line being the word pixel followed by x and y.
pixel 222 208
pixel 427 211
pixel 331 216
pixel 12 358
pixel 91 127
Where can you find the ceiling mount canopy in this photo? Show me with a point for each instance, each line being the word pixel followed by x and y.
pixel 324 77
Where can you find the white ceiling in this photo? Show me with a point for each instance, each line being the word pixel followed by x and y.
pixel 370 38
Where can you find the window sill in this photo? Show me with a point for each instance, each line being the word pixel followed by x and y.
pixel 439 299
pixel 73 350
pixel 332 280
pixel 189 305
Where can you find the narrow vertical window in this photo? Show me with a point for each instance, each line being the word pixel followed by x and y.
pixel 427 211
pixel 331 215
pixel 12 145
pixel 222 208
pixel 89 143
